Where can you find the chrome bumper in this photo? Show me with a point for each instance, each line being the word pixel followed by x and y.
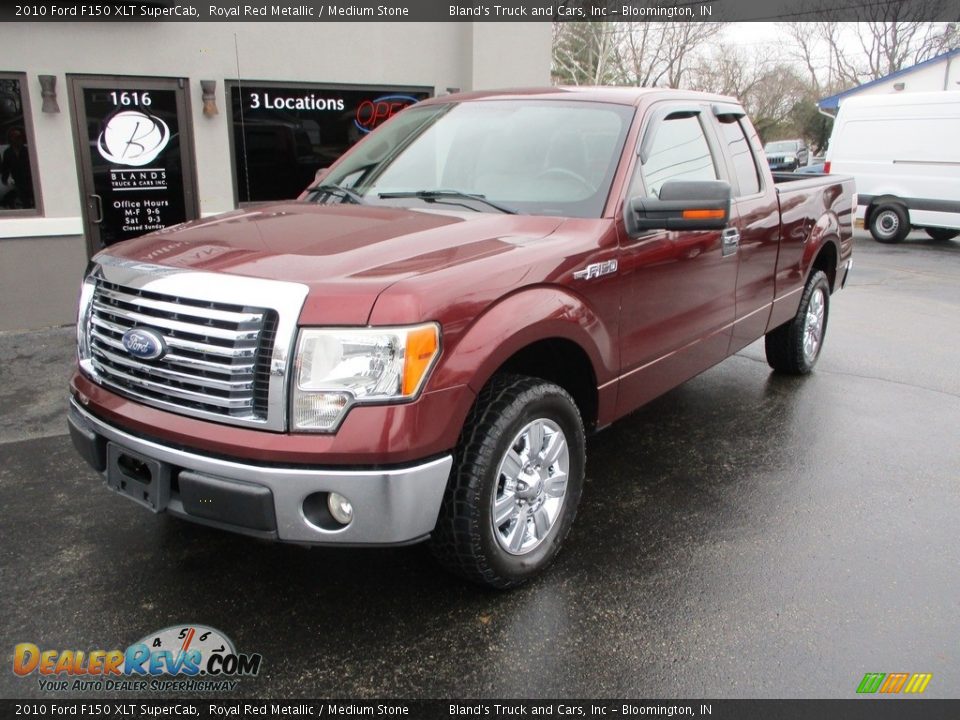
pixel 392 506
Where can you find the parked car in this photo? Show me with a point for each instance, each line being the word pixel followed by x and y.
pixel 787 154
pixel 418 347
pixel 904 152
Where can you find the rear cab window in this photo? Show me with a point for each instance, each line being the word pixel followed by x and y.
pixel 742 158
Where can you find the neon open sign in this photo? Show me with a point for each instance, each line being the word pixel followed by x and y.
pixel 371 113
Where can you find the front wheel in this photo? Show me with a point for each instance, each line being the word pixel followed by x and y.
pixel 889 223
pixel 793 348
pixel 515 484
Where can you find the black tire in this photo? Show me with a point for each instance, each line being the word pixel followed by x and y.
pixel 889 223
pixel 464 539
pixel 785 345
pixel 942 234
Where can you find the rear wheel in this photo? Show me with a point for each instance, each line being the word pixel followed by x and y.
pixel 793 348
pixel 889 223
pixel 942 234
pixel 515 484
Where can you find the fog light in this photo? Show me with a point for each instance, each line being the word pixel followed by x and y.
pixel 340 508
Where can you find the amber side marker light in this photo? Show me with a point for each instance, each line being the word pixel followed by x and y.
pixel 704 214
pixel 422 346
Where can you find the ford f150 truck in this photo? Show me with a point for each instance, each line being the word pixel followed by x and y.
pixel 417 347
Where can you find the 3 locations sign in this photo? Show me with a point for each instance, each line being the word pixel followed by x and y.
pixel 283 134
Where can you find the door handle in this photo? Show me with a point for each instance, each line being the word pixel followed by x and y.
pixel 98 205
pixel 729 241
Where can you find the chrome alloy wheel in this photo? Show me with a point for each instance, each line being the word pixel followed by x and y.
pixel 813 325
pixel 531 486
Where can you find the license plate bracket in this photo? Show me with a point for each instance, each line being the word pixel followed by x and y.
pixel 144 480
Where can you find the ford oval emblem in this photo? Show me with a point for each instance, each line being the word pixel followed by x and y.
pixel 144 344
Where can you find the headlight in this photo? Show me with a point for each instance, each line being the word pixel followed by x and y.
pixel 84 312
pixel 337 368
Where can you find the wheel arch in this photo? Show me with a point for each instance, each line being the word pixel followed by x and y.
pixel 561 362
pixel 822 249
pixel 542 332
pixel 827 259
pixel 886 199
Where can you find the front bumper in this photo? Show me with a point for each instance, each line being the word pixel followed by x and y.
pixel 391 506
pixel 788 166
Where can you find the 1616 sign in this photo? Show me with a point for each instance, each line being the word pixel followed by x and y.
pixel 136 160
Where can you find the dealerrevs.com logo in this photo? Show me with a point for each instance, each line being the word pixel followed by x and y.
pixel 179 658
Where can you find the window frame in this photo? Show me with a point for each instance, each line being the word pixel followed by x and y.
pixel 734 179
pixel 659 115
pixel 37 209
pixel 237 84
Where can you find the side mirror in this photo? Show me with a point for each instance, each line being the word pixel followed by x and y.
pixel 683 205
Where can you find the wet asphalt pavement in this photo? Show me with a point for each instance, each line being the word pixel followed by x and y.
pixel 745 535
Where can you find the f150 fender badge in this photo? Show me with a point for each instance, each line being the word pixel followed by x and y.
pixel 144 344
pixel 595 270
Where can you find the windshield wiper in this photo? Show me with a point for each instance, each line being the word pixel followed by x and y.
pixel 441 195
pixel 343 192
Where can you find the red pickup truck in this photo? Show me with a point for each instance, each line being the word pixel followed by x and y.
pixel 417 347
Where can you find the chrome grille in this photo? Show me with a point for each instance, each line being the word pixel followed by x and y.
pixel 218 354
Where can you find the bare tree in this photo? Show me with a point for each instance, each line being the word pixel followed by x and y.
pixel 889 38
pixel 583 52
pixel 940 38
pixel 771 89
pixel 804 49
pixel 774 97
pixel 650 54
pixel 728 70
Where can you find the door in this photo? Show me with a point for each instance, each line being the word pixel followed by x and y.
pixel 678 292
pixel 755 214
pixel 135 154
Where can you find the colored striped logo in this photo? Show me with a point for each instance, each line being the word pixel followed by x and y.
pixel 894 683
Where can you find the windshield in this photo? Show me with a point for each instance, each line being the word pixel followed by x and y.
pixel 529 156
pixel 784 146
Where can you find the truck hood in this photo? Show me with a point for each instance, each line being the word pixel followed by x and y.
pixel 346 254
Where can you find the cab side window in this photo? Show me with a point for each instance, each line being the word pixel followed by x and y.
pixel 744 162
pixel 679 152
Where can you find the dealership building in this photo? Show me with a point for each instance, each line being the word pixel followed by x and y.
pixel 112 130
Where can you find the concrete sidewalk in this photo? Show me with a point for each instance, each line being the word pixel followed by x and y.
pixel 35 368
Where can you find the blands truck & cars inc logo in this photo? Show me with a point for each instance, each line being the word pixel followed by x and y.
pixel 179 658
pixel 134 138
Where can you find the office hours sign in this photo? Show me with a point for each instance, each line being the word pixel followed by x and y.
pixel 136 169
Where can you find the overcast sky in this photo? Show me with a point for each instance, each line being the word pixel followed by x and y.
pixel 754 33
pixel 760 35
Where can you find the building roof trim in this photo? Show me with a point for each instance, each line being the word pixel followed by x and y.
pixel 832 102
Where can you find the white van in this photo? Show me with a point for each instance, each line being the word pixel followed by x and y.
pixel 904 151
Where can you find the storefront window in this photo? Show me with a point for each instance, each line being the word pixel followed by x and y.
pixel 18 190
pixel 284 133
